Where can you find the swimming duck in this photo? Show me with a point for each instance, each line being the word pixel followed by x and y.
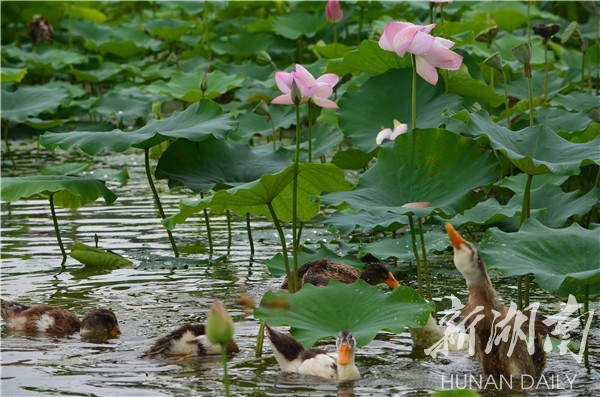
pixel 293 357
pixel 322 271
pixel 497 362
pixel 187 341
pixel 56 321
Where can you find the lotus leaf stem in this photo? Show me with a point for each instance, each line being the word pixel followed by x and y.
pixel 413 237
pixel 520 292
pixel 250 239
pixel 57 230
pixel 208 231
pixel 228 230
pixel 207 31
pixel 506 101
pixel 286 261
pixel 8 151
pixel 157 198
pixel 545 69
pixel 295 201
pixel 425 263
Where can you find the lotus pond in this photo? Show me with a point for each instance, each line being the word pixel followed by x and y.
pixel 207 149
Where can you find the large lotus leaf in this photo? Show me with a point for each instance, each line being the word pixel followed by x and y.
pixel 401 248
pixel 516 183
pixel 460 82
pixel 69 191
pixel 125 41
pixel 276 189
pixel 576 101
pixel 195 123
pixel 318 312
pixel 28 101
pixel 120 106
pixel 565 123
pixel 216 164
pixel 46 57
pixel 106 71
pixel 552 255
pixel 435 166
pixel 8 75
pixel 536 150
pixel 246 44
pixel 292 26
pixel 186 86
pixel 348 220
pixel 370 58
pixel 386 97
pixel 353 159
pixel 487 212
pixel 276 264
pixel 91 256
pixel 79 12
pixel 66 169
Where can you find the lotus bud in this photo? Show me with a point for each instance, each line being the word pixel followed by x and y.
pixel 494 61
pixel 296 93
pixel 333 11
pixel 487 35
pixel 219 326
pixel 523 53
pixel 546 30
pixel 156 110
pixel 204 83
pixel 263 58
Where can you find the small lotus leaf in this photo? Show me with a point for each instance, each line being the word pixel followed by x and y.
pixel 95 257
pixel 318 312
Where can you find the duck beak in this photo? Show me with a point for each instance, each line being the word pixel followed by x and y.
pixel 391 281
pixel 455 238
pixel 115 331
pixel 344 354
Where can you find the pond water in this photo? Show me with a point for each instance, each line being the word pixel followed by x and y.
pixel 161 292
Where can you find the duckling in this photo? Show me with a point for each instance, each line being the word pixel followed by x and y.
pixel 320 272
pixel 187 341
pixel 496 362
pixel 56 321
pixel 293 357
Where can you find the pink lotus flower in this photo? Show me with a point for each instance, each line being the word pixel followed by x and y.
pixel 430 52
pixel 318 90
pixel 333 11
pixel 387 133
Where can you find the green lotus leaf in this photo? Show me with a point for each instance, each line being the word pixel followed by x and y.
pixel 519 87
pixel 195 123
pixel 401 248
pixel 460 82
pixel 276 264
pixel 68 191
pixel 554 256
pixel 66 169
pixel 125 41
pixel 40 124
pixel 30 101
pixel 186 86
pixel 8 75
pixel 348 220
pixel 564 123
pixel 370 58
pixel 363 112
pixel 254 124
pixel 487 212
pixel 242 45
pixel 216 164
pixel 576 101
pixel 353 159
pixel 46 57
pixel 276 189
pixel 536 150
pixel 168 29
pixel 95 257
pixel 420 166
pixel 292 26
pixel 120 106
pixel 330 51
pixel 318 312
pixel 79 12
pixel 516 183
pixel 106 71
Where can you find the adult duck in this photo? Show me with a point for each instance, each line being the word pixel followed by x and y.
pixel 56 321
pixel 293 357
pixel 322 271
pixel 189 340
pixel 484 312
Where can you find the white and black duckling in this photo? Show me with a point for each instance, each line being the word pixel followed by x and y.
pixel 187 341
pixel 496 362
pixel 293 357
pixel 322 271
pixel 56 321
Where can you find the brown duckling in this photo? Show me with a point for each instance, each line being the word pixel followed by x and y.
pixel 497 362
pixel 56 321
pixel 187 341
pixel 293 357
pixel 322 271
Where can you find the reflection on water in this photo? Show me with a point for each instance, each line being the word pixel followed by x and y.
pixel 161 292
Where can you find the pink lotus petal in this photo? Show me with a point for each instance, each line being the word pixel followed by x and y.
pixel 426 71
pixel 404 39
pixel 323 90
pixel 383 135
pixel 283 100
pixel 284 81
pixel 398 130
pixel 421 43
pixel 325 103
pixel 333 11
pixel 442 57
pixel 428 28
pixel 391 30
pixel 417 204
pixel 445 42
pixel 303 76
pixel 329 78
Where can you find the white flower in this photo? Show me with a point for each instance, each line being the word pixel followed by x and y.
pixel 387 133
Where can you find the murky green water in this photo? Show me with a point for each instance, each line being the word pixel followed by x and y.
pixel 161 292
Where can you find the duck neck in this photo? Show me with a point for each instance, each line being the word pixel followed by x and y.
pixel 348 371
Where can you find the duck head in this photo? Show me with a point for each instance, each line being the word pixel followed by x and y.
pixel 376 273
pixel 346 346
pixel 467 259
pixel 100 321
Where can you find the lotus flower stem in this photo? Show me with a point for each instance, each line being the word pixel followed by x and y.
pixel 295 201
pixel 260 339
pixel 207 31
pixel 335 39
pixel 157 198
pixel 530 85
pixel 299 234
pixel 525 214
pixel 273 133
pixel 207 222
pixel 413 237
pixel 310 121
pixel 57 230
pixel 250 239
pixel 425 264
pixel 225 375
pixel 8 151
pixel 546 69
pixel 506 101
pixel 284 251
pixel 228 230
pixel 414 92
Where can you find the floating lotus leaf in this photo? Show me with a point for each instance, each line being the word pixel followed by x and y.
pixel 318 312
pixel 276 189
pixel 427 173
pixel 95 257
pixel 216 164
pixel 363 112
pixel 536 150
pixel 28 101
pixel 401 248
pixel 195 123
pixel 276 264
pixel 68 191
pixel 554 256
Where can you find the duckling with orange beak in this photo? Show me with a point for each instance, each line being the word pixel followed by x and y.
pixel 292 357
